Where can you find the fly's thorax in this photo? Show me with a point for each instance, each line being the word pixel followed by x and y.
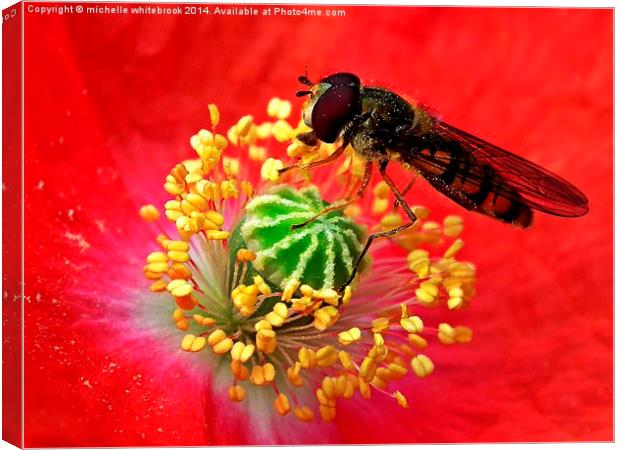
pixel 388 108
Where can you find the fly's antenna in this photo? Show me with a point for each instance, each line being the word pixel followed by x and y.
pixel 303 93
pixel 303 79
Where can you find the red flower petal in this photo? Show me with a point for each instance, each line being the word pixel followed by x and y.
pixel 110 104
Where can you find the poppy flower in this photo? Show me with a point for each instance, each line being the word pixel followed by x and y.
pixel 112 102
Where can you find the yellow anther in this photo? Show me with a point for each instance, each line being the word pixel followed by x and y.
pixel 216 337
pixel 341 386
pixel 421 212
pixel 241 352
pixel 328 413
pixel 378 340
pixel 220 142
pixel 229 188
pixel 401 399
pixel 324 399
pixel 282 131
pixel 157 257
pixel 455 302
pixel 204 321
pixel 326 356
pixel 180 288
pixel 257 153
pixel 236 393
pixel 223 346
pixel 379 206
pixel 247 188
pixel 215 217
pixel 306 357
pixel 353 211
pixel 179 246
pixel 149 213
pixel 307 290
pixel 178 314
pixel 304 413
pixel 158 286
pixel 262 375
pixel 243 126
pixel 412 324
pixel 396 371
pixel 270 169
pixel 446 334
pixel 182 325
pixel 217 235
pixel 179 271
pixel 463 335
pixel 214 114
pixel 289 289
pixel 325 317
pixel 424 296
pixel 452 226
pixel 381 190
pixel 245 255
pixel 293 374
pixel 345 360
pixel 454 248
pixel 380 324
pixel 266 341
pixel 282 405
pixel 364 388
pixel 180 257
pixel 262 286
pixel 327 295
pixel 263 131
pixel 378 353
pixel 278 108
pixel 422 366
pixel 350 336
pixel 419 263
pixel 232 135
pixel 157 267
pixel 368 369
pixel 173 188
pixel 417 341
pixel 430 287
pixel 162 240
pixel 152 275
pixel 262 325
pixel 391 221
pixel 187 302
pixel 278 315
pixel 328 385
pixel 239 371
pixel 346 296
pixel 191 343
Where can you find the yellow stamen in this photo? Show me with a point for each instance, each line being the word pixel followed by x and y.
pixel 282 405
pixel 149 213
pixel 350 336
pixel 422 366
pixel 214 114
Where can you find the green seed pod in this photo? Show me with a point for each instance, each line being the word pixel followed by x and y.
pixel 321 254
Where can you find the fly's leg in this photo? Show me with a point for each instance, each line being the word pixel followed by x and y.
pixel 342 203
pixel 401 200
pixel 404 192
pixel 329 159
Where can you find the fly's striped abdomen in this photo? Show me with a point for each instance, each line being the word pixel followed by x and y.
pixel 472 183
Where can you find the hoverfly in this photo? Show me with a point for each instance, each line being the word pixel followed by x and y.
pixel 382 127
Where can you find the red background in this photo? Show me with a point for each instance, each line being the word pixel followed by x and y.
pixel 111 101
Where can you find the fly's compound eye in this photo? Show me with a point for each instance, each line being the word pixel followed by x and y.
pixel 342 78
pixel 337 105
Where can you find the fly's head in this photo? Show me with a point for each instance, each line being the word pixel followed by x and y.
pixel 333 102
